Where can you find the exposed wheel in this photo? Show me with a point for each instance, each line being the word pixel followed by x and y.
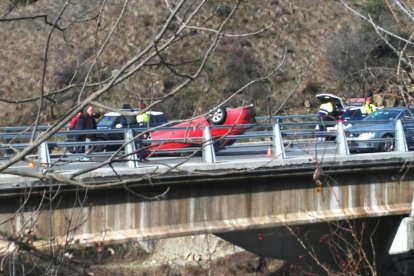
pixel 388 145
pixel 217 116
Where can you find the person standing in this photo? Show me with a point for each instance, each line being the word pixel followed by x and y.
pixel 74 119
pixel 143 121
pixel 79 125
pixel 72 127
pixel 368 107
pixel 89 123
pixel 143 118
pixel 326 113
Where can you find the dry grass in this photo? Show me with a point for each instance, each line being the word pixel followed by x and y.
pixel 296 25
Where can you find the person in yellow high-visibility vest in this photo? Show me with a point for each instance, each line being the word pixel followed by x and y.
pixel 146 118
pixel 368 107
pixel 143 119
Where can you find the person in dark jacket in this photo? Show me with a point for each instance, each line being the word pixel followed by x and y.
pixel 89 123
pixel 79 124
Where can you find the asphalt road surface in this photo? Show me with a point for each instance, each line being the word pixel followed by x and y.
pixel 312 149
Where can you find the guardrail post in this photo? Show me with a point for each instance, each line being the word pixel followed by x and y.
pixel 278 147
pixel 400 141
pixel 342 148
pixel 130 149
pixel 209 156
pixel 43 153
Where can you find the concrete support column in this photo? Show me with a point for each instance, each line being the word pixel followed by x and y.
pixel 404 239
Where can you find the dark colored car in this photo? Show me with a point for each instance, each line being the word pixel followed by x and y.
pixel 191 131
pixel 376 132
pixel 128 119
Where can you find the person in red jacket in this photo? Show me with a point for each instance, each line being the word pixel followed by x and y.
pixel 73 120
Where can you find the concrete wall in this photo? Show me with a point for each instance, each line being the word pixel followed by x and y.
pixel 181 205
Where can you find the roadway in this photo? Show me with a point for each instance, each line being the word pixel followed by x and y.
pixel 311 148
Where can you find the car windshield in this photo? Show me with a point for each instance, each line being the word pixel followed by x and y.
pixel 383 115
pixel 107 121
pixel 352 114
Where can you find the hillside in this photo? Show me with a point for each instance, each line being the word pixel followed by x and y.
pixel 297 27
pixel 56 53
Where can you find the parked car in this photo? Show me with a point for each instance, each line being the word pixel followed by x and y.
pixel 192 130
pixel 376 132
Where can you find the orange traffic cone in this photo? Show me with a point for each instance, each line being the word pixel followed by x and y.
pixel 270 151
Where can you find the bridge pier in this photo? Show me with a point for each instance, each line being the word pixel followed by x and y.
pixel 327 241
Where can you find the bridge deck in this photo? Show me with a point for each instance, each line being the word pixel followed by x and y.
pixel 211 198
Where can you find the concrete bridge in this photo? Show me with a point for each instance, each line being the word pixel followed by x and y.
pixel 236 199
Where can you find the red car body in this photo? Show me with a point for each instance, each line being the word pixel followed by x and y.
pixel 190 133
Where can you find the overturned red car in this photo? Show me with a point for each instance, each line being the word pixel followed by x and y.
pixel 190 133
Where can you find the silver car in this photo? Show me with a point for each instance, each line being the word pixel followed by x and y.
pixel 376 132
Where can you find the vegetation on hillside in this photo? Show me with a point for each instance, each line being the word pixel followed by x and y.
pixel 184 57
pixel 329 50
pixel 298 28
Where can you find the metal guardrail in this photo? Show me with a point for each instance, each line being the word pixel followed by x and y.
pixel 276 131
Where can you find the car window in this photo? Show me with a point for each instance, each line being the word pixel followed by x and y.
pixel 352 114
pixel 383 115
pixel 107 121
pixel 157 119
pixel 160 119
pixel 131 120
pixel 407 115
pixel 123 121
pixel 152 119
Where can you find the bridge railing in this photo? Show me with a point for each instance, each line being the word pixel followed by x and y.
pixel 276 132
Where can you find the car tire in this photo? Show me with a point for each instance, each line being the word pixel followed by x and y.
pixel 99 148
pixel 330 138
pixel 217 116
pixel 387 146
pixel 218 145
